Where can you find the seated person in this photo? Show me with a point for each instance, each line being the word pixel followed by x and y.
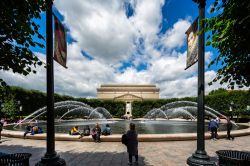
pixel 74 131
pixel 36 130
pixel 107 130
pixel 86 132
pixel 96 133
pixel 28 130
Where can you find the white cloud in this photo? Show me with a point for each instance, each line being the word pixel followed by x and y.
pixel 102 29
pixel 175 36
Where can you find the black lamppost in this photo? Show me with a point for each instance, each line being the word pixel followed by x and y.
pixel 50 158
pixel 200 157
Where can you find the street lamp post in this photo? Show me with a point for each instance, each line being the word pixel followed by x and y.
pixel 200 157
pixel 51 158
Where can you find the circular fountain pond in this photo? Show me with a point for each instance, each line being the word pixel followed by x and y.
pixel 82 114
pixel 120 126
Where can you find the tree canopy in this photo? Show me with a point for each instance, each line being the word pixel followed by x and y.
pixel 218 91
pixel 17 27
pixel 229 33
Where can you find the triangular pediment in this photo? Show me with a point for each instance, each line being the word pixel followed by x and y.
pixel 128 97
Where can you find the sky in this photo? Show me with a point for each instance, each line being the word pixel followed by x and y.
pixel 122 42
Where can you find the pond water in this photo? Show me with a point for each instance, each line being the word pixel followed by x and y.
pixel 120 126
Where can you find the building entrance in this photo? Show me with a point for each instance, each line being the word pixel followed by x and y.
pixel 128 110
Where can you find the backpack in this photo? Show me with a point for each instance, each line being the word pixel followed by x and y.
pixel 124 139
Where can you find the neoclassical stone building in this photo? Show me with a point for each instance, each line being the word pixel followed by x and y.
pixel 127 93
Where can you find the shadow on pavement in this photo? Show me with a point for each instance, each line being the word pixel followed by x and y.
pixel 74 158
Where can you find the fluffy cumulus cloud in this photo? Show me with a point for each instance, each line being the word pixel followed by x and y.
pixel 104 31
pixel 101 28
pixel 175 36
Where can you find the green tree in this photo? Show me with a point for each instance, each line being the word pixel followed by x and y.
pixel 229 33
pixel 10 107
pixel 217 91
pixel 17 27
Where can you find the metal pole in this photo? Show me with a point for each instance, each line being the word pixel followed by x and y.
pixel 50 157
pixel 200 156
pixel 50 83
pixel 201 87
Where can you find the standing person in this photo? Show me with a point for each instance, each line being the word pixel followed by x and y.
pixel 1 128
pixel 213 126
pixel 96 133
pixel 132 143
pixel 217 120
pixel 229 128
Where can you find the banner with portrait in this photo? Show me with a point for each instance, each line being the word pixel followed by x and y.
pixel 60 43
pixel 192 44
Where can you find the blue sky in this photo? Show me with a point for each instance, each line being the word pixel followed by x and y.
pixel 124 42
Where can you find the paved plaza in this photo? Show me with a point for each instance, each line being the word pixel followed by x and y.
pixel 169 153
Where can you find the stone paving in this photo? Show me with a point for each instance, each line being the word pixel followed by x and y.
pixel 169 153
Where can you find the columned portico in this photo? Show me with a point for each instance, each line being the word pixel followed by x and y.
pixel 127 93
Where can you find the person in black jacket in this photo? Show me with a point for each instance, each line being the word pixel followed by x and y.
pixel 1 128
pixel 132 143
pixel 229 128
pixel 28 130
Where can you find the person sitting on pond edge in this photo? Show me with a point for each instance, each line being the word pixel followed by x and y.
pixel 28 130
pixel 132 143
pixel 36 130
pixel 74 131
pixel 86 132
pixel 96 133
pixel 107 130
pixel 32 130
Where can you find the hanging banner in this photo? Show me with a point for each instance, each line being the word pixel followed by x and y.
pixel 60 44
pixel 192 44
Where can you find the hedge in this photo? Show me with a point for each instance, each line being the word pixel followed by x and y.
pixel 32 100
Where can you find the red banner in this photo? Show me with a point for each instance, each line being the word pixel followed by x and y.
pixel 60 43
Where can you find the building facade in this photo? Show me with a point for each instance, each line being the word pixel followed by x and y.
pixel 127 93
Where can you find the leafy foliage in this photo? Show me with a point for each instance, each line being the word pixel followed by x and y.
pixel 31 100
pixel 229 33
pixel 219 100
pixel 222 101
pixel 218 91
pixel 17 27
pixel 10 107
